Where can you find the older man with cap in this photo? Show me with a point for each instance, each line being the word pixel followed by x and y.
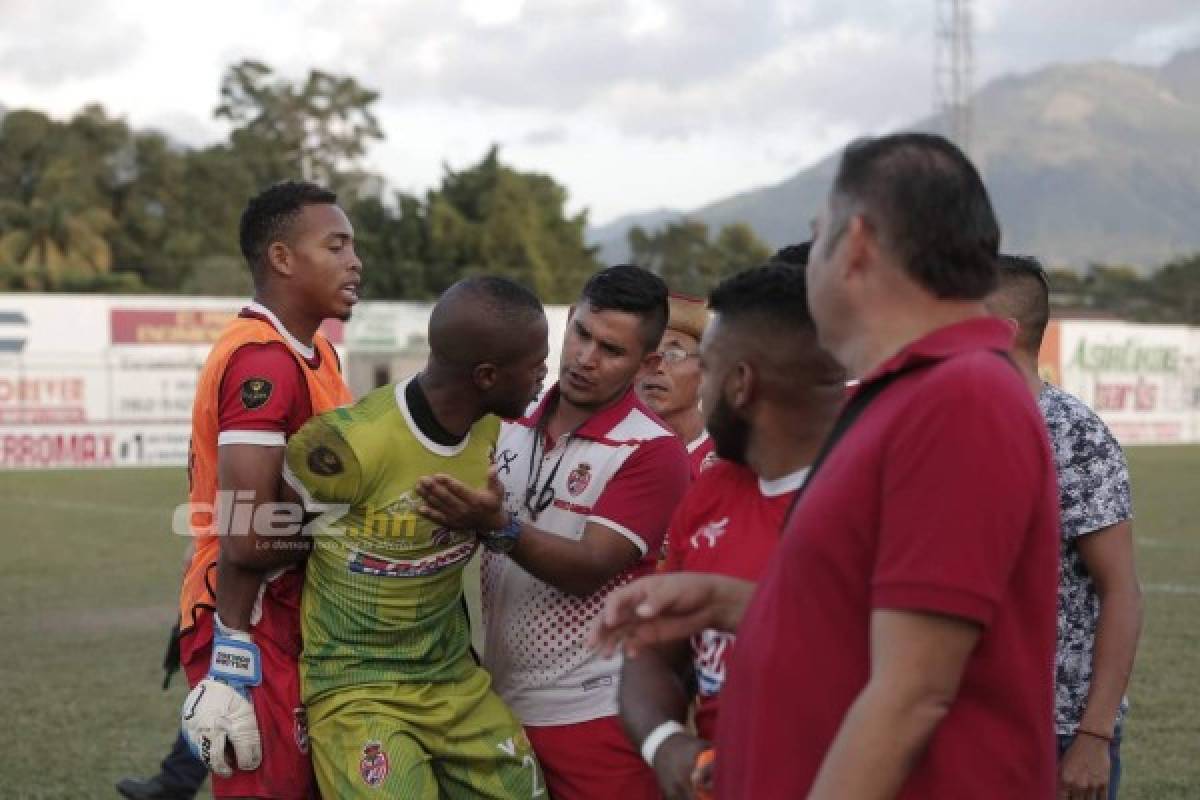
pixel 673 390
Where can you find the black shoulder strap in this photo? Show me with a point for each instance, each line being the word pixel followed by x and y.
pixel 849 414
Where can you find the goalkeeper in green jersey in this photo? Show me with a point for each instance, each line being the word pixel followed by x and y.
pixel 396 704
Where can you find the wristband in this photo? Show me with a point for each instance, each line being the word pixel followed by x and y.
pixel 235 658
pixel 657 736
pixel 1094 735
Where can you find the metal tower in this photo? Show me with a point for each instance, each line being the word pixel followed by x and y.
pixel 954 69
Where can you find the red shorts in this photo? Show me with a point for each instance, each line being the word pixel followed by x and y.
pixel 286 771
pixel 592 760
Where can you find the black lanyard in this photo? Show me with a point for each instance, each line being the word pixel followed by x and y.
pixel 849 413
pixel 538 499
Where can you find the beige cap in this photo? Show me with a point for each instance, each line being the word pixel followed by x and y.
pixel 688 314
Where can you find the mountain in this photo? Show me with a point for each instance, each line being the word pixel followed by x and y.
pixel 1096 162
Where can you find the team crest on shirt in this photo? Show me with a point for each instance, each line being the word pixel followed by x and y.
pixel 300 721
pixel 709 459
pixel 708 533
pixel 373 767
pixel 579 479
pixel 323 461
pixel 256 392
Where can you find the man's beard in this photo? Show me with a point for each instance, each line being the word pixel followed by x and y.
pixel 730 433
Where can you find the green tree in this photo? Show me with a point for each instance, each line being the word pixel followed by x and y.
pixel 390 244
pixel 47 243
pixel 318 130
pixel 53 220
pixel 491 218
pixel 682 254
pixel 1175 291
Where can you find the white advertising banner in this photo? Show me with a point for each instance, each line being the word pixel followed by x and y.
pixel 1143 380
pixel 93 380
pixel 106 381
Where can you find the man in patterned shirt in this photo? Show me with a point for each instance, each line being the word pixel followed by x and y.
pixel 1099 599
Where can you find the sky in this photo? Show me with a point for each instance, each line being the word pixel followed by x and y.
pixel 631 104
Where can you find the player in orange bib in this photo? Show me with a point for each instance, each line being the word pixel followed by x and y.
pixel 239 609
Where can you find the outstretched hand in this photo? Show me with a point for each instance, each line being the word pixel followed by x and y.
pixel 664 608
pixel 452 504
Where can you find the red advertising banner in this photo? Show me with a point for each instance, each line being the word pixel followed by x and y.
pixel 32 400
pixel 184 326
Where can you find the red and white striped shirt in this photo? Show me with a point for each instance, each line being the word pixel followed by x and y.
pixel 623 469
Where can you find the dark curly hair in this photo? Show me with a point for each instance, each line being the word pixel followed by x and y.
pixel 269 215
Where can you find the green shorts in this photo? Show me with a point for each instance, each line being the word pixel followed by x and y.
pixel 422 741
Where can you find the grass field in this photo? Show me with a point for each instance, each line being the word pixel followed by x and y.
pixel 89 574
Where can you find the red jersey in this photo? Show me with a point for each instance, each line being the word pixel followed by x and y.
pixel 701 454
pixel 728 524
pixel 940 499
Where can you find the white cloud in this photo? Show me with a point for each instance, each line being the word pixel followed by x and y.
pixel 630 103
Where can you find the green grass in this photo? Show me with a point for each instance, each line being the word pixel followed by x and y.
pixel 90 571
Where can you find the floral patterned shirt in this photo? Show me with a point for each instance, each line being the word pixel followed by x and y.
pixel 1093 486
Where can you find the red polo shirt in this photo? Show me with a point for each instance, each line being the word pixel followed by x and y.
pixel 940 498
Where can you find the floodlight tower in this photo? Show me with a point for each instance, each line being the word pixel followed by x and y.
pixel 954 69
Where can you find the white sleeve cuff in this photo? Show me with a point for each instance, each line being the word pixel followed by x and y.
pixel 638 541
pixel 260 438
pixel 310 503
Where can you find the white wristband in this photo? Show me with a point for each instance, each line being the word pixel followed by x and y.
pixel 657 736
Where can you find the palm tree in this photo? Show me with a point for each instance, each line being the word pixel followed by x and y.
pixel 48 241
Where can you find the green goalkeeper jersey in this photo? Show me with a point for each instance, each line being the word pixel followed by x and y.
pixel 383 589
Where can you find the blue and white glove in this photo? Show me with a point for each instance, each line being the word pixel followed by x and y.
pixel 219 711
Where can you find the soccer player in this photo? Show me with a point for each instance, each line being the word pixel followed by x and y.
pixel 899 642
pixel 586 486
pixel 770 396
pixel 397 705
pixel 1099 599
pixel 269 371
pixel 673 390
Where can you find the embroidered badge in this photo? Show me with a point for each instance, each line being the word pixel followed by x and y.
pixel 323 461
pixel 373 766
pixel 579 479
pixel 256 392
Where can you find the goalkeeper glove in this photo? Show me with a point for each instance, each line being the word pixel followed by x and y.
pixel 219 711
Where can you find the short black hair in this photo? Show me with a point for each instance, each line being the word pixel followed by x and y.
pixel 634 290
pixel 771 299
pixel 929 204
pixel 1023 293
pixel 469 320
pixel 502 297
pixel 777 293
pixel 269 215
pixel 795 255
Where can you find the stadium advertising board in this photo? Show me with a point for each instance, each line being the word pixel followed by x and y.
pixel 89 380
pixel 1143 380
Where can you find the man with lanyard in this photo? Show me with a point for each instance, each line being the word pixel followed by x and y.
pixel 269 371
pixel 899 642
pixel 673 390
pixel 584 490
pixel 770 396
